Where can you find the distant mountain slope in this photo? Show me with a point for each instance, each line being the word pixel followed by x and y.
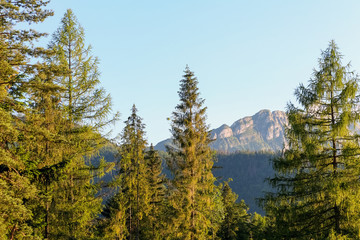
pixel 248 171
pixel 161 146
pixel 262 132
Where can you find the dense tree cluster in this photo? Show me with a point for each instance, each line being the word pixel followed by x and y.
pixel 52 113
pixel 187 205
pixel 52 118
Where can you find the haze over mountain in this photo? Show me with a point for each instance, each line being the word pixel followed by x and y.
pixel 263 131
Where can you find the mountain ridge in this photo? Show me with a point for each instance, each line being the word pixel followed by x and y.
pixel 264 131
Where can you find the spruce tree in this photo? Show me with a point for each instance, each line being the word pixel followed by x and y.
pixel 261 227
pixel 130 205
pixel 190 162
pixel 154 222
pixel 236 220
pixel 113 222
pixel 317 178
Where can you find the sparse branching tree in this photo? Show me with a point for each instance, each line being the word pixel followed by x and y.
pixel 317 179
pixel 87 108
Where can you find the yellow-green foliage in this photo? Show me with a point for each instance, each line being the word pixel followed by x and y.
pixel 191 161
pixel 16 190
pixel 318 176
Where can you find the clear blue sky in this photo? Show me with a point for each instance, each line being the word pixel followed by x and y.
pixel 247 55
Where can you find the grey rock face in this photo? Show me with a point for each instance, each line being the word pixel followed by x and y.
pixel 262 132
pixel 222 132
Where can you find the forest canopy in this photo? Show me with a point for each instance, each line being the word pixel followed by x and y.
pixel 53 120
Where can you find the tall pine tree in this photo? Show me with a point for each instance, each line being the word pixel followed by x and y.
pixel 318 177
pixel 190 162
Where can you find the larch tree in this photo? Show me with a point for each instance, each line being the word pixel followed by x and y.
pixel 85 101
pixel 15 51
pixel 317 178
pixel 87 108
pixel 190 162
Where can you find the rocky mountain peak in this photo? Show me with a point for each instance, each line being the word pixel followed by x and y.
pixel 223 131
pixel 264 131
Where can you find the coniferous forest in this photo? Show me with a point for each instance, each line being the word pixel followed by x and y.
pixel 53 117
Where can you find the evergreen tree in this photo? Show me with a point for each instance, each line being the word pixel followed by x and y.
pixel 84 101
pixel 15 188
pixel 156 185
pixel 15 50
pixel 113 222
pixel 41 143
pixel 261 227
pixel 87 108
pixel 318 177
pixel 131 204
pixel 236 221
pixel 190 162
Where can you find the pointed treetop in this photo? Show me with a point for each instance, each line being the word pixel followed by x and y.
pixel 134 109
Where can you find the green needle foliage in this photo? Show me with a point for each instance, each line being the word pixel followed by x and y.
pixel 190 162
pixel 52 117
pixel 261 227
pixel 154 221
pixel 127 210
pixel 86 109
pixel 15 187
pixel 318 176
pixel 133 173
pixel 113 222
pixel 236 221
pixel 42 142
pixel 16 49
pixel 84 101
